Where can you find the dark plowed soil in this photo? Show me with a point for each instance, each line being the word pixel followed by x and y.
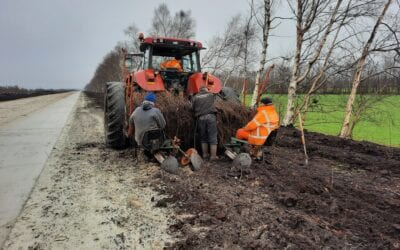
pixel 347 196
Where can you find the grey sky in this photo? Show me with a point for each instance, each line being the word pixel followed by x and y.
pixel 59 43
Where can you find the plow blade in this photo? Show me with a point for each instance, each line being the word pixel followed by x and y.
pixel 170 165
pixel 196 160
pixel 193 158
pixel 242 160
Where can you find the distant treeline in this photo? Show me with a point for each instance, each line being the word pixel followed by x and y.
pixel 109 70
pixel 15 92
pixel 338 84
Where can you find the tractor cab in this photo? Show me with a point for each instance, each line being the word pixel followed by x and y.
pixel 174 60
pixel 157 51
pixel 168 64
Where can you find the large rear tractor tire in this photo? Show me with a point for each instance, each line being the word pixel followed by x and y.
pixel 114 115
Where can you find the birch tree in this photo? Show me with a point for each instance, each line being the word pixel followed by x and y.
pixel 266 26
pixel 320 78
pixel 347 127
pixel 306 13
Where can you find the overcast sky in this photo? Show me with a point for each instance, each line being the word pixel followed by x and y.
pixel 59 43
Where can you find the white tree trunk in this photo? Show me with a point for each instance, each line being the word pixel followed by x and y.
pixel 266 28
pixel 316 82
pixel 289 115
pixel 297 77
pixel 347 128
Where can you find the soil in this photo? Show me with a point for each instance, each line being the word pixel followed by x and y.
pixel 347 196
pixel 88 196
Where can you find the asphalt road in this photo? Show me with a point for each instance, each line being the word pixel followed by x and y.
pixel 25 144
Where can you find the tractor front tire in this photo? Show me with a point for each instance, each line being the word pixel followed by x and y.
pixel 114 115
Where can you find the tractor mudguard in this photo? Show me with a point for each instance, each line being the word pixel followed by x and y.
pixel 148 81
pixel 197 80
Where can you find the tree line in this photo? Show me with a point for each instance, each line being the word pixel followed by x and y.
pixel 347 47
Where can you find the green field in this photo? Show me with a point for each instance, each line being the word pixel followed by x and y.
pixel 380 123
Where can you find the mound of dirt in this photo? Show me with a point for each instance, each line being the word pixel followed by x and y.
pixel 181 122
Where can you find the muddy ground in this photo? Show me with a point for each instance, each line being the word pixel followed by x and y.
pixel 348 196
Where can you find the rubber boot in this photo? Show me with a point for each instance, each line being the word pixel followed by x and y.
pixel 213 152
pixel 204 150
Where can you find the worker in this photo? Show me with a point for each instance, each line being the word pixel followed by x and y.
pixel 205 113
pixel 264 122
pixel 172 64
pixel 146 117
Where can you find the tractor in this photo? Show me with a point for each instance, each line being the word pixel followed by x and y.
pixel 144 72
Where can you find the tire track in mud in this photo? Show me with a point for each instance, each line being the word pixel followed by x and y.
pixel 90 197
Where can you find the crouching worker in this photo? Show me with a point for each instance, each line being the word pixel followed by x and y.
pixel 146 117
pixel 260 127
pixel 204 111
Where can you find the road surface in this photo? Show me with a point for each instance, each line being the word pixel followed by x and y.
pixel 28 130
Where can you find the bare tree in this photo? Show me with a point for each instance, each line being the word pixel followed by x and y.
pixel 162 22
pixel 266 26
pixel 243 53
pixel 320 78
pixel 347 127
pixel 132 44
pixel 232 53
pixel 182 25
pixel 306 13
pixel 221 48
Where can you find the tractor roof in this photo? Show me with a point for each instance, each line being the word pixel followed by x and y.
pixel 165 46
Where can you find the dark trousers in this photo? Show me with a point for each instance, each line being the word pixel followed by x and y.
pixel 207 128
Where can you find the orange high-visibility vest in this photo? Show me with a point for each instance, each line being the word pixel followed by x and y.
pixel 264 122
pixel 171 64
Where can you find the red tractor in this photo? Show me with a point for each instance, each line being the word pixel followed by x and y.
pixel 152 70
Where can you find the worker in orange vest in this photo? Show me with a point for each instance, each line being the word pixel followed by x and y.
pixel 264 122
pixel 172 64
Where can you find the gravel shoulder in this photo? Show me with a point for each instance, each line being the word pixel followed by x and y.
pixel 90 197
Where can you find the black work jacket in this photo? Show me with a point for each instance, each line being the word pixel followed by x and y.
pixel 203 103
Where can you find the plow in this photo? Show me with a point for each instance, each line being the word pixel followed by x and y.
pixel 166 151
